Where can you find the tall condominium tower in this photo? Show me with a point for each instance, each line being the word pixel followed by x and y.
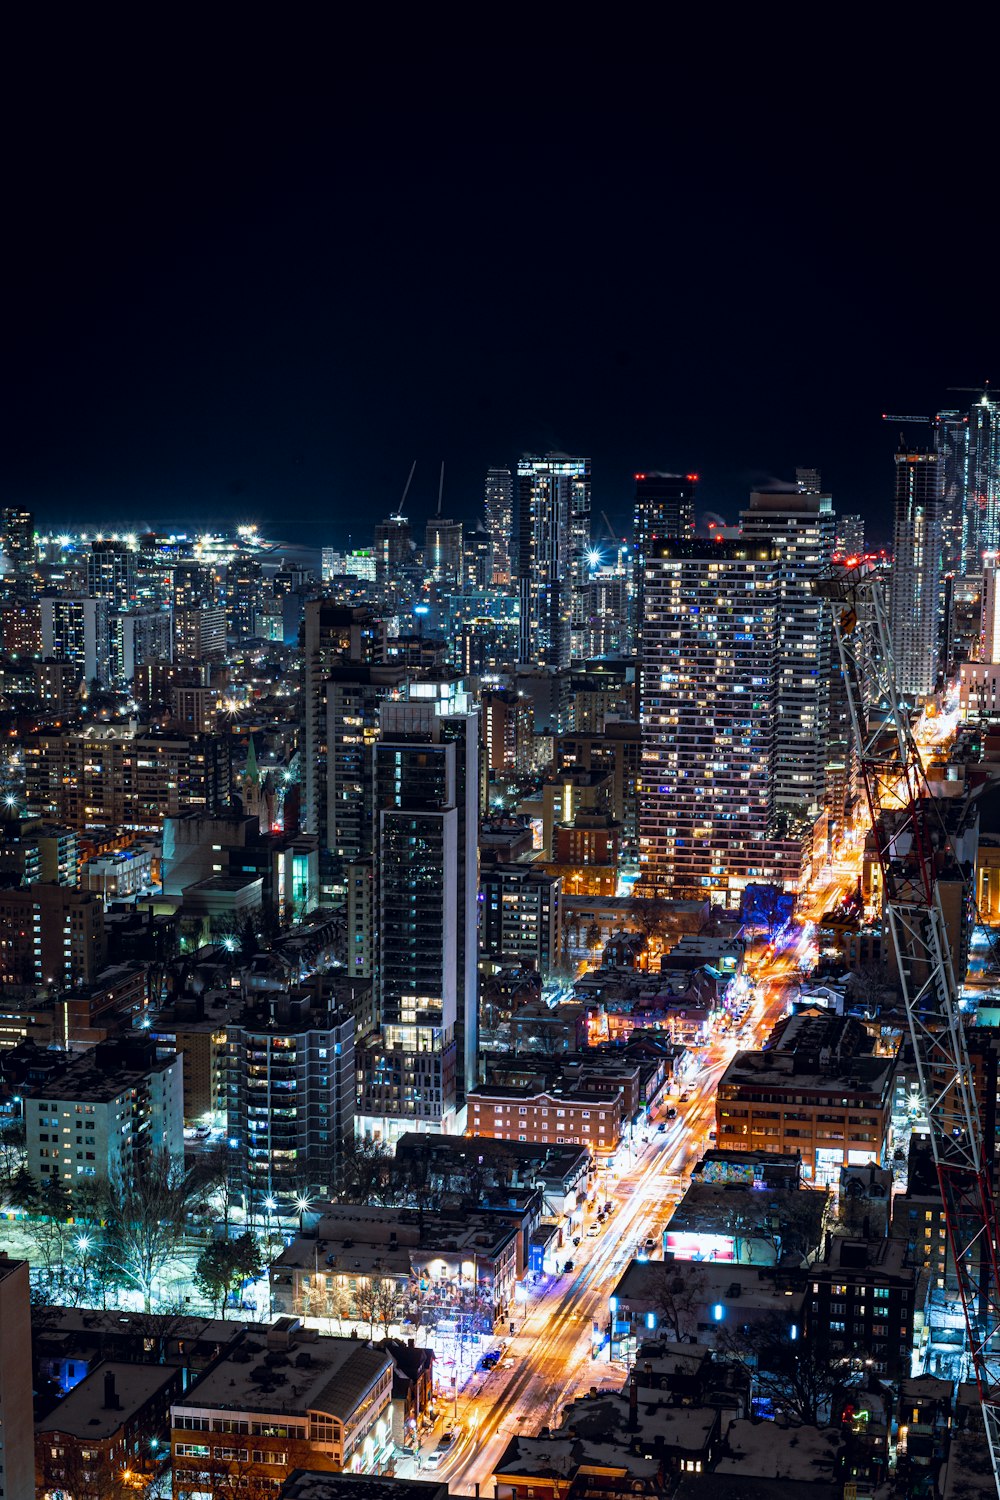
pixel 961 524
pixel 916 575
pixel 800 527
pixel 664 508
pixel 850 537
pixel 984 468
pixel 499 506
pixel 426 794
pixel 709 651
pixel 111 573
pixel 17 546
pixel 393 550
pixel 553 543
pixel 443 551
pixel 989 641
pixel 334 636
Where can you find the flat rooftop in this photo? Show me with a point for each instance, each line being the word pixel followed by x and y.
pixel 324 1374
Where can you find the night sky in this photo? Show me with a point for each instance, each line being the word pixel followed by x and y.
pixel 255 276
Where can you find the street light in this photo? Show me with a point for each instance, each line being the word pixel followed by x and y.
pixel 302 1204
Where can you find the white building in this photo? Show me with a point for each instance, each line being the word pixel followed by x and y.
pixel 111 1114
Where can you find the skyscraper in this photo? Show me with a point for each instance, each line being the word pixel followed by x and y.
pixel 111 573
pixel 553 543
pixel 960 519
pixel 709 659
pixel 17 546
pixel 334 636
pixel 417 1071
pixel 984 468
pixel 664 508
pixel 499 507
pixel 443 551
pixel 850 538
pixel 393 551
pixel 916 575
pixel 800 527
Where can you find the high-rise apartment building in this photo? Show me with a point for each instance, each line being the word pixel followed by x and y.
pixel 334 637
pixel 850 537
pixel 353 695
pixel 426 771
pixel 78 630
pixel 444 552
pixel 192 584
pixel 499 506
pixel 114 1113
pixel 291 1100
pixel 51 935
pixel 984 467
pixel 800 528
pixel 17 1422
pixel 111 573
pixel 113 774
pixel 393 551
pixel 916 575
pixel 710 643
pixel 989 646
pixel 244 596
pixel 664 508
pixel 17 545
pixel 553 548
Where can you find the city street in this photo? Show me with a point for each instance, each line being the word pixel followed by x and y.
pixel 553 1348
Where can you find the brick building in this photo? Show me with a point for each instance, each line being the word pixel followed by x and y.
pixel 548 1116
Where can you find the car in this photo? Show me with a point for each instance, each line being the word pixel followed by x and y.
pixel 507 1364
pixel 711 1135
pixel 433 1458
pixel 569 1266
pixel 671 1113
pixel 593 1231
pixel 490 1361
pixel 609 1207
pixel 650 1243
pixel 448 1439
pixel 661 1128
pixel 685 1095
pixel 577 1238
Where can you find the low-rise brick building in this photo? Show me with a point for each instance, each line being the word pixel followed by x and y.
pixel 548 1116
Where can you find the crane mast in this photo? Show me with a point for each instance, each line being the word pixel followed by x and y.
pixel 912 851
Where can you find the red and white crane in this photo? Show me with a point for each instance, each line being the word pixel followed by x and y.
pixel 911 848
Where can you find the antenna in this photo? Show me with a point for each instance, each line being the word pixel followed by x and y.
pixel 440 487
pixel 397 514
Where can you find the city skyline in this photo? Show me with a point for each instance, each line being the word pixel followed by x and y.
pixel 265 303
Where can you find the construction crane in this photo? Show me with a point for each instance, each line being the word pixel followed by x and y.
pixel 911 847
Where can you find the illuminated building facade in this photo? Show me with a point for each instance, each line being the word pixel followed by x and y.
pixel 708 662
pixel 111 573
pixel 800 528
pixel 916 575
pixel 499 505
pixel 850 537
pixel 553 568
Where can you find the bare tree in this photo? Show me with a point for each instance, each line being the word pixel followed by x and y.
pixel 366 1300
pixel 389 1303
pixel 797 1376
pixel 868 984
pixel 680 1297
pixel 145 1219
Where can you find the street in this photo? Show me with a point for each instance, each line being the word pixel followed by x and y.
pixel 553 1348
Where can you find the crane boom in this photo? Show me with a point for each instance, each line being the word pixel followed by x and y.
pixel 912 851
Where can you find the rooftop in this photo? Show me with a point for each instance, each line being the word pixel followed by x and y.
pixel 323 1374
pixel 318 1484
pixel 83 1413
